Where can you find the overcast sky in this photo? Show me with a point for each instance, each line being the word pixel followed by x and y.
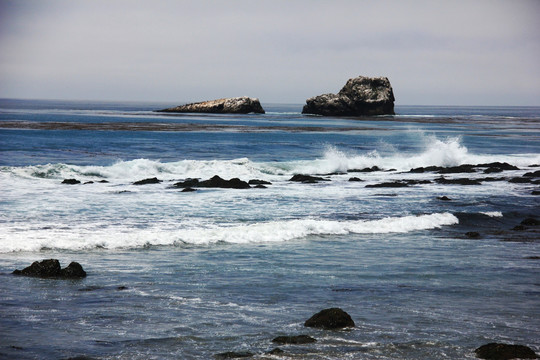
pixel 434 52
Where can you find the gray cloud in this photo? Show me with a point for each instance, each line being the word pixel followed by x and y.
pixel 434 52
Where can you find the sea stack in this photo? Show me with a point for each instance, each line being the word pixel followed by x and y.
pixel 237 105
pixel 360 96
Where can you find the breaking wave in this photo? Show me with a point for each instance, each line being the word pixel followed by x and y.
pixel 436 152
pixel 113 237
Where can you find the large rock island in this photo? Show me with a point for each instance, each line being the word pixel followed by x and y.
pixel 360 96
pixel 237 105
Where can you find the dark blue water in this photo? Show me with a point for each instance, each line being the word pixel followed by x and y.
pixel 222 270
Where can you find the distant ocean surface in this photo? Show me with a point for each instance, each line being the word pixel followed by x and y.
pixel 188 275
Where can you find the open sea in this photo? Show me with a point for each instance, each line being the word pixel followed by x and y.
pixel 189 275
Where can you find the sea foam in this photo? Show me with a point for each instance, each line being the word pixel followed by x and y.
pixel 90 236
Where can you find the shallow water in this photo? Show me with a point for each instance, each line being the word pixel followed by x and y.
pixel 221 270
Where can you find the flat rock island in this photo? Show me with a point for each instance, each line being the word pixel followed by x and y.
pixel 360 96
pixel 237 105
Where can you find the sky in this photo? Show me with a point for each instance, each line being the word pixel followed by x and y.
pixel 459 52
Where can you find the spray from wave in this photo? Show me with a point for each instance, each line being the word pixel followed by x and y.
pixel 435 152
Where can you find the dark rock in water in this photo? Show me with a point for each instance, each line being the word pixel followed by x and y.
pixel 457 169
pixel 260 187
pixel 71 181
pixel 73 271
pixel 359 97
pixel 88 182
pixel 355 179
pixel 462 181
pixel 103 181
pixel 276 351
pixel 188 189
pixel 187 183
pixel 472 235
pixel 519 228
pixel 534 174
pixel 493 170
pixel 333 318
pixel 532 257
pixel 371 169
pixel 120 288
pixel 520 180
pixel 217 182
pixel 421 170
pixel 153 180
pixel 237 105
pixel 498 165
pixel 234 355
pixel 530 222
pixel 395 184
pixel 51 269
pixel 497 351
pixel 307 179
pixel 444 198
pixel 259 182
pixel 535 192
pixel 298 339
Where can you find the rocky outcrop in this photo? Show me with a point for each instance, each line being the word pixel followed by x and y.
pixel 359 97
pixel 153 180
pixel 51 269
pixel 333 318
pixel 237 105
pixel 213 182
pixel 496 351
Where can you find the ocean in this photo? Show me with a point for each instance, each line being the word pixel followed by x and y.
pixel 430 263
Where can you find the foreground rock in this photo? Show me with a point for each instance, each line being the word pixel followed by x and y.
pixel 497 351
pixel 237 105
pixel 333 318
pixel 359 97
pixel 153 180
pixel 51 269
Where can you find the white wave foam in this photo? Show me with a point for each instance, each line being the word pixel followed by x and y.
pixel 492 213
pixel 112 237
pixel 435 152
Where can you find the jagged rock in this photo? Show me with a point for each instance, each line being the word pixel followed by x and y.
pixel 359 97
pixel 496 351
pixel 217 182
pixel 51 269
pixel 534 174
pixel 153 180
pixel 333 318
pixel 71 181
pixel 188 183
pixel 237 105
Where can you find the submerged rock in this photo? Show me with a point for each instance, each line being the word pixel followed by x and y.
pixel 463 181
pixel 51 269
pixel 237 105
pixel 497 351
pixel 307 179
pixel 234 355
pixel 359 97
pixel 297 339
pixel 333 318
